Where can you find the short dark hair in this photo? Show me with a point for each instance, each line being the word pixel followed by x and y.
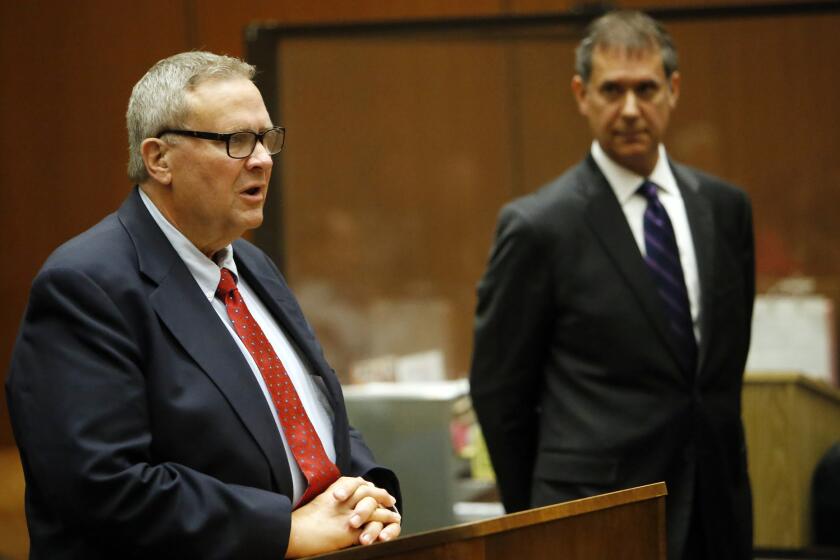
pixel 627 29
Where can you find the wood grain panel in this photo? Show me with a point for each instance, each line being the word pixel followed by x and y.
pixel 219 23
pixel 553 135
pixel 387 181
pixel 626 533
pixel 70 70
pixel 353 239
pixel 555 6
pixel 790 422
pixel 673 4
pixel 759 109
pixel 633 519
pixel 13 541
pixel 426 137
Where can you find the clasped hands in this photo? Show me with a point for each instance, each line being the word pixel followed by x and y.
pixel 350 511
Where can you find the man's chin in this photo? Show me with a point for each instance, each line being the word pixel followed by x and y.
pixel 251 220
pixel 639 159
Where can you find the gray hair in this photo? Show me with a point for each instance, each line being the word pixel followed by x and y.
pixel 158 101
pixel 626 29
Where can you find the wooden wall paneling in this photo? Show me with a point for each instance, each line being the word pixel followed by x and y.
pixel 13 535
pixel 527 7
pixel 653 5
pixel 219 24
pixel 69 67
pixel 552 134
pixel 389 181
pixel 748 121
pixel 758 109
pixel 63 147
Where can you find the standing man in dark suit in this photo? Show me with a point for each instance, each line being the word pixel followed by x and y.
pixel 167 395
pixel 613 320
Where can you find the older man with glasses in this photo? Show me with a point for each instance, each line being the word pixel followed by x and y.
pixel 166 393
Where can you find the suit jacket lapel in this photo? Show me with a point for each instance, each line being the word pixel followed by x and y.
pixel 184 310
pixel 701 223
pixel 610 225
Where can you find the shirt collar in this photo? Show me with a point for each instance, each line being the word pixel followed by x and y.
pixel 206 272
pixel 625 183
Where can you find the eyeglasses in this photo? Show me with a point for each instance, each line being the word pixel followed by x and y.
pixel 240 145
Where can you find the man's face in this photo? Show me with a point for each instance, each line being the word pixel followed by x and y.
pixel 216 198
pixel 628 101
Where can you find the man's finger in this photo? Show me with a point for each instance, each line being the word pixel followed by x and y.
pixel 347 486
pixel 390 532
pixel 369 490
pixel 363 511
pixel 385 516
pixel 371 532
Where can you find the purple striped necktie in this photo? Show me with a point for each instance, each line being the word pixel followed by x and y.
pixel 663 261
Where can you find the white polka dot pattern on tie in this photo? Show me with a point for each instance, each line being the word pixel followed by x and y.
pixel 319 471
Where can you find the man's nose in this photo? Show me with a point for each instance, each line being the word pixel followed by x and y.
pixel 260 157
pixel 630 105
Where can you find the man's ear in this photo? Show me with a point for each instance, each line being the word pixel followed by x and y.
pixel 579 90
pixel 674 85
pixel 155 153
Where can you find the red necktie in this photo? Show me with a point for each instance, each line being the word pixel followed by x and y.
pixel 304 442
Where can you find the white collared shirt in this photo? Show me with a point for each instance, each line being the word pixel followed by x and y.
pixel 625 185
pixel 207 273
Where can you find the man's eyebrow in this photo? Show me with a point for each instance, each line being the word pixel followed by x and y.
pixel 610 83
pixel 233 129
pixel 629 83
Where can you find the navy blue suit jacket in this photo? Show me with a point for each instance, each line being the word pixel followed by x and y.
pixel 141 428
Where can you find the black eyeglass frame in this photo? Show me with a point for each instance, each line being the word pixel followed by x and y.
pixel 226 136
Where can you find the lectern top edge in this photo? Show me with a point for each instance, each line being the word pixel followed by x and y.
pixel 477 529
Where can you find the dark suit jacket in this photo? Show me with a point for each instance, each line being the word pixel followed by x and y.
pixel 141 428
pixel 576 378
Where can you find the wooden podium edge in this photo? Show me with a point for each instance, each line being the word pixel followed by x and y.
pixel 817 386
pixel 503 523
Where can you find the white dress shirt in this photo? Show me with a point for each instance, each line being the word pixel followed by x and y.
pixel 625 185
pixel 207 273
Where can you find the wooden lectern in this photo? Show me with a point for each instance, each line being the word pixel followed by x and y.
pixel 790 421
pixel 629 524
